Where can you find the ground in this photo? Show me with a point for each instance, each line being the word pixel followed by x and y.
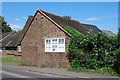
pixel 14 71
pixel 10 70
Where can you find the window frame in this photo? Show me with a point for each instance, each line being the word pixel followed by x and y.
pixel 55 43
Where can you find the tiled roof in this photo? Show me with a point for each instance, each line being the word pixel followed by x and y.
pixel 4 34
pixel 25 27
pixel 68 22
pixel 108 32
pixel 93 28
pixel 61 22
pixel 9 39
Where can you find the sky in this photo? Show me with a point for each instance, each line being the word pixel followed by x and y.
pixel 60 0
pixel 102 14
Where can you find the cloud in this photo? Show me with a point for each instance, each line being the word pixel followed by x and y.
pixel 15 27
pixel 92 19
pixel 25 17
pixel 16 19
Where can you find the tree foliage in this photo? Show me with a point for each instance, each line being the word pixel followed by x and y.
pixel 4 27
pixel 20 31
pixel 118 35
pixel 117 52
pixel 66 17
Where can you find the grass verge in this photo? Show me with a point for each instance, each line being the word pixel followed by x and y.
pixel 16 61
pixel 107 71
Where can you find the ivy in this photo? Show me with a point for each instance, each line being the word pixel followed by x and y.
pixel 94 51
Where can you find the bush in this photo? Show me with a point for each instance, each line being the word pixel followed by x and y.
pixel 117 61
pixel 76 54
pixel 94 51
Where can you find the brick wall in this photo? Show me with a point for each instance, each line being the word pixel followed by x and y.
pixel 33 47
pixel 10 54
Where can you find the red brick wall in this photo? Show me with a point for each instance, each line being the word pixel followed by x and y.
pixel 33 47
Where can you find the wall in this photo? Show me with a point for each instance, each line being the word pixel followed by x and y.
pixel 10 54
pixel 33 52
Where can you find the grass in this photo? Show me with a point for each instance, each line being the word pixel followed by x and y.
pixel 16 61
pixel 105 70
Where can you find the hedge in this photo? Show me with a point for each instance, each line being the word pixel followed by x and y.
pixel 94 51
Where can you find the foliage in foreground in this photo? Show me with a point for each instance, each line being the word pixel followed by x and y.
pixel 94 51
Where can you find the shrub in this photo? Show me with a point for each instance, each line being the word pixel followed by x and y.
pixel 94 51
pixel 117 61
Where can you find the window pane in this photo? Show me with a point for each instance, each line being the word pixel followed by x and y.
pixel 54 47
pixel 48 45
pixel 48 41
pixel 54 44
pixel 54 40
pixel 61 41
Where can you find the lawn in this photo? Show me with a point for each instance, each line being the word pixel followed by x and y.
pixel 16 61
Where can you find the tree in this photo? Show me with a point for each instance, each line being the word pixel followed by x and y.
pixel 118 35
pixel 4 27
pixel 66 17
pixel 20 31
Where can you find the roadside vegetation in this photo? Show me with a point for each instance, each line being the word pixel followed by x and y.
pixel 94 53
pixel 5 27
pixel 8 60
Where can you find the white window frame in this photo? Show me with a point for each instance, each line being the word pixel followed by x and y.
pixel 55 43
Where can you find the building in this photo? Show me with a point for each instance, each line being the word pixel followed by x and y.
pixel 44 42
pixel 93 28
pixel 108 33
pixel 9 41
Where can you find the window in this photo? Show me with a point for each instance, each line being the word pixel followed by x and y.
pixel 55 45
pixel 48 45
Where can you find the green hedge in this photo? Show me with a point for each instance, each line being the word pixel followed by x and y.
pixel 94 51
